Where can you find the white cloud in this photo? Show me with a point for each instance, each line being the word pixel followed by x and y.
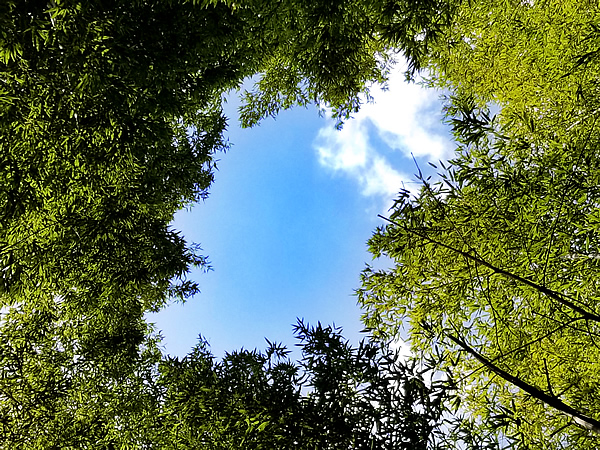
pixel 406 119
pixel 382 179
pixel 346 149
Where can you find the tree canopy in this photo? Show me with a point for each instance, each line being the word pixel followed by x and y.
pixel 110 120
pixel 337 397
pixel 495 264
pixel 498 263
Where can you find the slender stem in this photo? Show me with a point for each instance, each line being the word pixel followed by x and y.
pixel 544 290
pixel 579 418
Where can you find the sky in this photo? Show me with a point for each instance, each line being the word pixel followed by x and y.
pixel 288 218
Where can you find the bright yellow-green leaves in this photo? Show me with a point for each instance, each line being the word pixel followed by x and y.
pixel 504 263
pixel 537 60
pixel 502 255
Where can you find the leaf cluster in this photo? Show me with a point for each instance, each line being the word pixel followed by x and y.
pixel 336 397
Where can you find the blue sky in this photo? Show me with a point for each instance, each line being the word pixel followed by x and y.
pixel 287 220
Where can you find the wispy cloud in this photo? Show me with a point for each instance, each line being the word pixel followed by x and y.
pixel 375 147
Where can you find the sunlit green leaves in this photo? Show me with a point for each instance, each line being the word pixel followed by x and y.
pixel 500 255
pixel 533 59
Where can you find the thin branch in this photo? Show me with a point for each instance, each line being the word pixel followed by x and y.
pixel 578 417
pixel 516 349
pixel 548 379
pixel 544 290
pixel 562 202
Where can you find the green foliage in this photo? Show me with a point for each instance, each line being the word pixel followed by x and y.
pixel 536 60
pixel 74 384
pixel 415 28
pixel 109 121
pixel 328 54
pixel 110 118
pixel 337 397
pixel 495 266
pixel 500 258
pixel 95 145
pixel 331 52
